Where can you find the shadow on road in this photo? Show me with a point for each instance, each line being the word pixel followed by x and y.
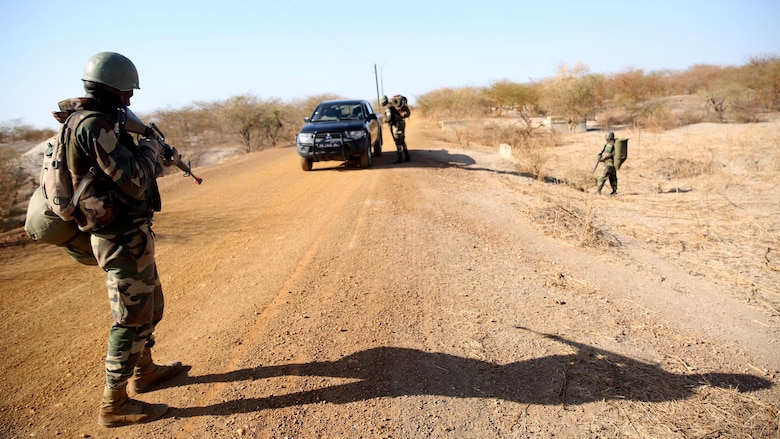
pixel 428 158
pixel 590 374
pixel 420 159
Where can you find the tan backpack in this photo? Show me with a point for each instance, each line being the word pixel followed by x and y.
pixel 56 178
pixel 52 205
pixel 401 104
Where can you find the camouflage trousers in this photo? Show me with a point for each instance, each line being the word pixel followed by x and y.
pixel 399 136
pixel 608 173
pixel 134 294
pixel 398 130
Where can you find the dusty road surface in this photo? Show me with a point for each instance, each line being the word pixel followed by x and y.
pixel 402 301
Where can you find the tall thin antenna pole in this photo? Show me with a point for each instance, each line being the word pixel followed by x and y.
pixel 376 79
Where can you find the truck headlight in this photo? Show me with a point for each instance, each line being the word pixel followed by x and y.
pixel 355 135
pixel 305 138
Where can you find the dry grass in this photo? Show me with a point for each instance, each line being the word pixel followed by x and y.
pixel 708 410
pixel 705 196
pixel 675 398
pixel 569 220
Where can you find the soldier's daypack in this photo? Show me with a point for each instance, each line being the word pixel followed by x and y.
pixel 621 152
pixel 52 206
pixel 400 103
pixel 56 178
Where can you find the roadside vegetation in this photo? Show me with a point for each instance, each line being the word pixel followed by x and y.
pixel 504 112
pixel 515 113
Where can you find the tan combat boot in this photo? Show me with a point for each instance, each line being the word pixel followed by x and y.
pixel 147 374
pixel 117 409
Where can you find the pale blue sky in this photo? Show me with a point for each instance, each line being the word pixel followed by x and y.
pixel 192 51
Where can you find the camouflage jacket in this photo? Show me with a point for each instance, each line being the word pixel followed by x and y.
pixel 393 117
pixel 608 154
pixel 124 191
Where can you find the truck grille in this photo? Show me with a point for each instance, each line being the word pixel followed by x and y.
pixel 328 140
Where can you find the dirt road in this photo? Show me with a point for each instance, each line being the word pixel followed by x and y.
pixel 403 301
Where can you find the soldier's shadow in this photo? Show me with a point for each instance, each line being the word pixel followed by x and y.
pixel 590 374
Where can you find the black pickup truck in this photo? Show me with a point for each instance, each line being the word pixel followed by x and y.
pixel 341 130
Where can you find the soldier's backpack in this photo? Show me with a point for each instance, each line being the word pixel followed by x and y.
pixel 621 152
pixel 41 224
pixel 56 178
pixel 401 104
pixel 52 206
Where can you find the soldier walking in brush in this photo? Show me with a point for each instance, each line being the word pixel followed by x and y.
pixel 609 171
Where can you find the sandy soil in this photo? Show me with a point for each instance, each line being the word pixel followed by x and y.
pixel 451 296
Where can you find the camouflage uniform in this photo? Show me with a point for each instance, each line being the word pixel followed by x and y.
pixel 608 172
pixel 398 129
pixel 116 208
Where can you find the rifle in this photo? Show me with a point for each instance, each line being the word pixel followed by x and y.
pixel 598 159
pixel 132 124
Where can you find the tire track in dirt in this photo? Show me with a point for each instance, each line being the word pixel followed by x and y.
pixel 328 274
pixel 324 224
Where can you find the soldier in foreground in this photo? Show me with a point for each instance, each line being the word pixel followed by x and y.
pixel 116 208
pixel 609 171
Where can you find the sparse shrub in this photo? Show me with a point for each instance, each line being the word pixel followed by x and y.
pixel 612 117
pixel 258 123
pixel 574 221
pixel 461 131
pixel 529 142
pixel 13 179
pixel 508 96
pixel 746 109
pixel 689 117
pixel 574 93
pixel 578 179
pixel 15 131
pixel 762 76
pixel 184 129
pixel 532 153
pixel 446 103
pixel 659 118
pixel 462 135
pixel 519 133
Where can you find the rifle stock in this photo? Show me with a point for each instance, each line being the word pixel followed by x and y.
pixel 132 124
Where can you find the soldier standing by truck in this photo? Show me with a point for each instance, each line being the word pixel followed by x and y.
pixel 395 113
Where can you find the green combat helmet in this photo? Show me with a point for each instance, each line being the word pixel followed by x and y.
pixel 383 101
pixel 610 136
pixel 113 70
